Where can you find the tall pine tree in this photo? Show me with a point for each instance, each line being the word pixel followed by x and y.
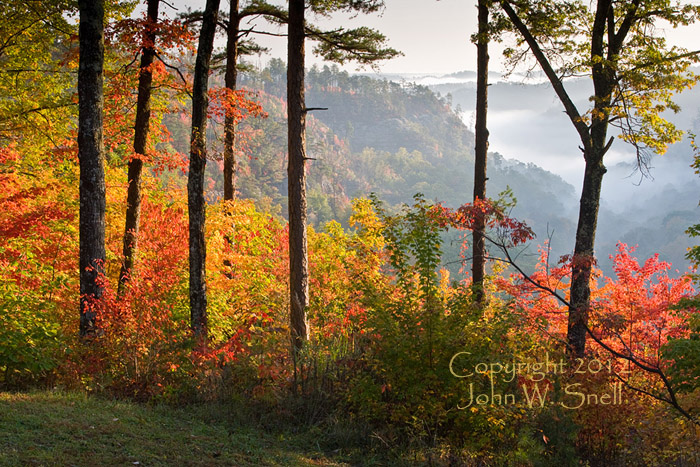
pixel 363 45
pixel 481 148
pixel 91 159
pixel 196 201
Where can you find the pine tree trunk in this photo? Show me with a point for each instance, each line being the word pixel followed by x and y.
pixel 143 117
pixel 195 181
pixel 481 150
pixel 296 115
pixel 91 159
pixel 229 122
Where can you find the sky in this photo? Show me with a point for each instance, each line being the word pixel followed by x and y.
pixel 434 35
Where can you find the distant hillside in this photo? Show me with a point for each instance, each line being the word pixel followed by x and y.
pixel 527 121
pixel 391 139
pixel 398 139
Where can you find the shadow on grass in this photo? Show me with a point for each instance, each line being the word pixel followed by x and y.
pixel 54 428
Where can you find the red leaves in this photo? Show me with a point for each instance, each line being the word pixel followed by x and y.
pixel 9 154
pixel 505 230
pixel 631 313
pixel 134 33
pixel 636 314
pixel 237 104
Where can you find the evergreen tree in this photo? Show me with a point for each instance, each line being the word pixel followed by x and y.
pixel 195 181
pixel 91 159
pixel 363 45
pixel 481 148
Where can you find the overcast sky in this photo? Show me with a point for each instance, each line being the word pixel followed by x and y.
pixel 432 34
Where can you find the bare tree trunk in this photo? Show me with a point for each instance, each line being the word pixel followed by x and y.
pixel 584 254
pixel 195 181
pixel 91 157
pixel 481 150
pixel 296 115
pixel 143 117
pixel 229 121
pixel 584 257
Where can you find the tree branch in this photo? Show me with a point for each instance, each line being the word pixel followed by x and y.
pixel 176 69
pixel 630 357
pixel 558 86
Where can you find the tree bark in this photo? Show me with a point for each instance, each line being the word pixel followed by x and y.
pixel 230 79
pixel 142 127
pixel 296 119
pixel 593 140
pixel 91 159
pixel 481 150
pixel 195 181
pixel 584 257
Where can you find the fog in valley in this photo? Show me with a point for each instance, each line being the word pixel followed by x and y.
pixel 651 208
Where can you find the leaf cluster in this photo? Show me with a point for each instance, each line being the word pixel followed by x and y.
pixel 620 43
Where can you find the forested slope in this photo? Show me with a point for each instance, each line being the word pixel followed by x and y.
pixel 383 137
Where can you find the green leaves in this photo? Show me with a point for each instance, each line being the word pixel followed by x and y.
pixel 363 44
pixel 414 243
pixel 634 70
pixel 684 352
pixel 326 7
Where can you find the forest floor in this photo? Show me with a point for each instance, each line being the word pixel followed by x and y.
pixel 56 428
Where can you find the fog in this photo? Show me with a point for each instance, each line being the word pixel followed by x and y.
pixel 650 208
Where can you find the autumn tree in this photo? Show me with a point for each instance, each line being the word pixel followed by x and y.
pixel 235 47
pixel 195 181
pixel 36 87
pixel 634 75
pixel 363 45
pixel 141 130
pixel 91 157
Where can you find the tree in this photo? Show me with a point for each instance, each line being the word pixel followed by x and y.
pixel 360 44
pixel 91 157
pixel 141 127
pixel 230 78
pixel 36 87
pixel 634 76
pixel 296 173
pixel 481 148
pixel 195 181
pixel 235 47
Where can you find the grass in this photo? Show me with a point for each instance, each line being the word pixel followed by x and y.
pixel 54 428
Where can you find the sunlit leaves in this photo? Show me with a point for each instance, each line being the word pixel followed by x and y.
pixel 35 82
pixel 641 69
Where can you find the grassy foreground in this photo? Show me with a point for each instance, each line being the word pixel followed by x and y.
pixel 53 428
